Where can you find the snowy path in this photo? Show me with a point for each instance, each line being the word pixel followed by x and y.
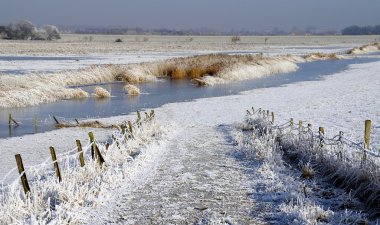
pixel 198 181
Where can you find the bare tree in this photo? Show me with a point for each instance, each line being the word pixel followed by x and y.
pixel 52 32
pixel 25 30
pixel 39 34
pixel 22 30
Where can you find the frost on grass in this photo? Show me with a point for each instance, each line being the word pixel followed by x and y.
pixel 82 188
pixel 290 181
pixel 211 69
pixel 131 89
pixel 100 92
pixel 365 49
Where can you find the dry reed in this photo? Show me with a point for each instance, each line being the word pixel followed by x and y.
pixel 131 89
pixel 101 93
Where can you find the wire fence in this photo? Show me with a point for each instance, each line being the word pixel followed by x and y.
pixel 91 152
pixel 352 165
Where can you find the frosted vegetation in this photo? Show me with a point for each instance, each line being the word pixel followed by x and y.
pixel 365 49
pixel 25 30
pixel 101 93
pixel 324 165
pixel 131 89
pixel 81 188
pixel 212 69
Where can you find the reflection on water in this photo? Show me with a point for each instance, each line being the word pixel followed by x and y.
pixel 153 95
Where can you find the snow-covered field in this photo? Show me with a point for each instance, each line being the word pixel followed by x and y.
pixel 197 178
pixel 105 44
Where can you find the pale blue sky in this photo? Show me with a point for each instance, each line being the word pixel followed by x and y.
pixel 221 15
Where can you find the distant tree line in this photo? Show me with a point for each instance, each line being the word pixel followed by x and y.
pixel 25 30
pixel 357 30
pixel 198 31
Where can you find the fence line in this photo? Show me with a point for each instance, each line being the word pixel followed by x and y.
pixel 354 166
pixel 72 157
pixel 337 139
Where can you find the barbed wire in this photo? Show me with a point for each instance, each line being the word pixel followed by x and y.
pixel 295 129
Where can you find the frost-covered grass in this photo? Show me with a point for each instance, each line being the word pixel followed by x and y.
pixel 210 69
pixel 34 89
pixel 336 161
pixel 365 49
pixel 82 188
pixel 131 89
pixel 100 92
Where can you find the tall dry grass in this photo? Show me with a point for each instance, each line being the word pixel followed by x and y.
pixel 100 92
pixel 365 49
pixel 322 56
pixel 193 67
pixel 131 89
pixel 210 69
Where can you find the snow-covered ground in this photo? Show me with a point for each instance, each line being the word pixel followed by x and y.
pixel 21 64
pixel 196 178
pixel 42 63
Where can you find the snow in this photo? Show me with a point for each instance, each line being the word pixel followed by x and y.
pixel 52 63
pixel 196 167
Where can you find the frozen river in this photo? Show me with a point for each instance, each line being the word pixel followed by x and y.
pixel 153 95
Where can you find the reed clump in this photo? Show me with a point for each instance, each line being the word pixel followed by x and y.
pixel 365 49
pixel 79 94
pixel 178 73
pixel 100 92
pixel 322 56
pixel 131 89
pixel 186 67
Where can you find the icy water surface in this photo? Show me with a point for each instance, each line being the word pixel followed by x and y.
pixel 154 95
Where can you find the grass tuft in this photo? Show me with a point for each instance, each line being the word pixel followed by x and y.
pixel 101 93
pixel 131 89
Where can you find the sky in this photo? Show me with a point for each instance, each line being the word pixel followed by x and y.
pixel 221 15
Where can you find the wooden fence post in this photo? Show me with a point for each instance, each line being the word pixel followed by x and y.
pixel 300 125
pixel 91 136
pixel 321 134
pixel 81 158
pixel 94 147
pixel 367 137
pixel 340 153
pixel 367 133
pixel 272 117
pixel 21 171
pixel 321 130
pixel 253 110
pixel 341 136
pixel 10 119
pixel 291 123
pixel 35 122
pixel 56 167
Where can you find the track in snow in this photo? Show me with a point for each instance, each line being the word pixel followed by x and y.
pixel 198 182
